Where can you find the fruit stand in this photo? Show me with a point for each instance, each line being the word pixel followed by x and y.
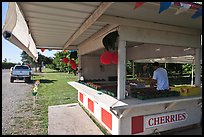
pixel 135 34
pixel 140 114
pixel 141 111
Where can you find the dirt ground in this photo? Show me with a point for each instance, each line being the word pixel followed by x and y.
pixel 17 108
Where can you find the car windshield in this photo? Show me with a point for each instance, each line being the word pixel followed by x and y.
pixel 21 67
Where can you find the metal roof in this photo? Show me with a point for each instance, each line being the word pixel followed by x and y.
pixel 64 25
pixel 53 23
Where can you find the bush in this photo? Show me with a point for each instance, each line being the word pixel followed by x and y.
pixel 7 65
pixel 50 66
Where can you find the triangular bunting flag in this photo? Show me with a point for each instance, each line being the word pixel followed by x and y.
pixel 138 4
pixel 49 49
pixel 197 14
pixel 42 49
pixel 184 7
pixel 164 6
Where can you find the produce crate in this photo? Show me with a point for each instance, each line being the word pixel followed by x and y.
pixel 186 90
pixel 152 93
pixel 132 88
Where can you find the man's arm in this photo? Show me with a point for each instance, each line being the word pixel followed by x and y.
pixel 153 83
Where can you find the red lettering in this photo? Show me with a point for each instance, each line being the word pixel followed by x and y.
pixel 163 119
pixel 172 118
pixel 180 117
pixel 167 119
pixel 150 122
pixel 156 121
pixel 184 116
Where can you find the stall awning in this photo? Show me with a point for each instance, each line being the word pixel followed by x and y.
pixel 52 25
pixel 66 25
pixel 16 31
pixel 180 59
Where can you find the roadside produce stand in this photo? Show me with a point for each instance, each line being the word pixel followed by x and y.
pixel 140 114
pixel 120 105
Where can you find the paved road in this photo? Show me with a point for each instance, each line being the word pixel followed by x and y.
pixel 13 94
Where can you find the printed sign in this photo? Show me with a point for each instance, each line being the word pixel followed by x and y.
pixel 164 118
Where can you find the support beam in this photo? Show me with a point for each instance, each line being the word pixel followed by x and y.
pixel 79 67
pixel 197 67
pixel 147 25
pixel 96 14
pixel 133 69
pixel 95 41
pixel 121 69
pixel 71 47
pixel 142 35
pixel 192 74
pixel 147 51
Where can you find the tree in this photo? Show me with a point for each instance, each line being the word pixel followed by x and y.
pixel 26 59
pixel 61 66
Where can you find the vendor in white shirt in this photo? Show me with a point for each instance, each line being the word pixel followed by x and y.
pixel 160 78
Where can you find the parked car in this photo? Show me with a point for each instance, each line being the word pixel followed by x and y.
pixel 11 69
pixel 21 72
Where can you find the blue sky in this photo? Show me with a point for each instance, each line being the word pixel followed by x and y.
pixel 10 51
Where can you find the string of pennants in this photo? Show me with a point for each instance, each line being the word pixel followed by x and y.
pixel 43 49
pixel 183 6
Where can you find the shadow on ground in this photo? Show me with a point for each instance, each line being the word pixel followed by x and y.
pixel 47 81
pixel 41 81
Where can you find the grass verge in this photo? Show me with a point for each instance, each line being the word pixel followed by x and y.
pixel 53 90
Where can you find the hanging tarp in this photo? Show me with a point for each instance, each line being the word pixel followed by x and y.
pixel 16 31
pixel 109 40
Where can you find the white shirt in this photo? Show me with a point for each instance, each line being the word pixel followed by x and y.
pixel 160 74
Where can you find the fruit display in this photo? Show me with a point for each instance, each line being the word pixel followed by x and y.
pixel 149 93
pixel 92 85
pixel 187 90
pixel 108 88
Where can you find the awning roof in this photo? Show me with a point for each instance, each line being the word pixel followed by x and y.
pixel 64 25
pixel 181 59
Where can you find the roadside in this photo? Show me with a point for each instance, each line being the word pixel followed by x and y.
pixel 16 113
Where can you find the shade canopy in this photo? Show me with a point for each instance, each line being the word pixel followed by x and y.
pixel 65 25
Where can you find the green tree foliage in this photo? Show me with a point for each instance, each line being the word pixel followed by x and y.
pixel 172 68
pixel 129 67
pixel 59 65
pixel 26 59
pixel 7 65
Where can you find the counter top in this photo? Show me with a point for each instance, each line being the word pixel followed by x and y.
pixel 129 102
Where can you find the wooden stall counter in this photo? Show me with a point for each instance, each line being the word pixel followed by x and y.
pixel 135 116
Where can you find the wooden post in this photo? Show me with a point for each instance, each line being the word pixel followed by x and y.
pixel 197 67
pixel 121 69
pixel 192 74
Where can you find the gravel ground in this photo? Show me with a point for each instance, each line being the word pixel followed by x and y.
pixel 15 96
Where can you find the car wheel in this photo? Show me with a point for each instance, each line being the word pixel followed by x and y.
pixel 27 80
pixel 11 79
